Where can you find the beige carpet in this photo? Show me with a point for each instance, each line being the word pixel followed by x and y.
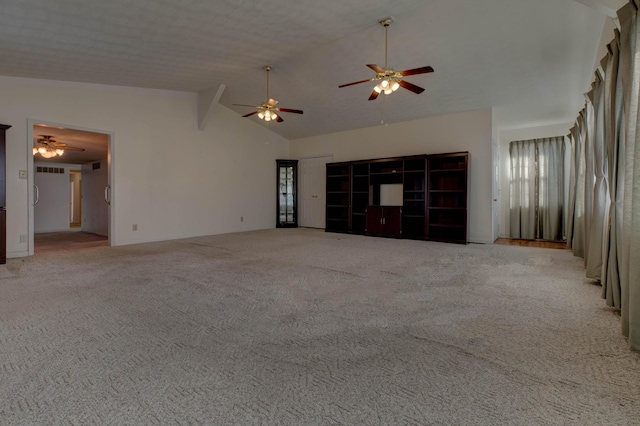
pixel 302 327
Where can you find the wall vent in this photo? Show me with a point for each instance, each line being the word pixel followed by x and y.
pixel 95 166
pixel 41 169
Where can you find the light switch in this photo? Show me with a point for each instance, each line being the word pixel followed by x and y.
pixel 23 174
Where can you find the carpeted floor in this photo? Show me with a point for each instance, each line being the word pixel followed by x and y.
pixel 302 327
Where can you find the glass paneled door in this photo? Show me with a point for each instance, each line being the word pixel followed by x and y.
pixel 287 200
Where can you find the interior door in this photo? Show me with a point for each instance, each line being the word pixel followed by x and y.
pixel 312 191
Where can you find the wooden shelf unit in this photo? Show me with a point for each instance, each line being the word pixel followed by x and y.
pixel 338 197
pixel 433 203
pixel 448 197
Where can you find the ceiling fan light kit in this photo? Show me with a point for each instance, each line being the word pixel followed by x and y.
pixel 267 110
pixel 389 80
pixel 47 147
pixel 47 152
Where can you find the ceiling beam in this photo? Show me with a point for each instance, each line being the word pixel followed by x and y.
pixel 608 7
pixel 206 101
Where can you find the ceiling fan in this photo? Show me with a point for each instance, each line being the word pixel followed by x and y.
pixel 267 110
pixel 390 79
pixel 47 147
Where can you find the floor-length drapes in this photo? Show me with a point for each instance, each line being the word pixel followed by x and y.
pixel 523 189
pixel 604 204
pixel 537 188
pixel 615 144
pixel 630 268
pixel 576 236
pixel 571 193
pixel 550 187
pixel 598 193
pixel 589 174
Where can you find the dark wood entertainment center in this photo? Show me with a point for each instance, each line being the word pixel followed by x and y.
pixel 418 197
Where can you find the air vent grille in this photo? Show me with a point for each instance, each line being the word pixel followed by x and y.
pixel 41 169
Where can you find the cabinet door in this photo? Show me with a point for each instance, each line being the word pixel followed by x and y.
pixel 392 220
pixel 375 220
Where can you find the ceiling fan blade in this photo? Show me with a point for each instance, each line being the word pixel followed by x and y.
pixel 415 89
pixel 250 114
pixel 251 106
pixel 376 68
pixel 415 71
pixel 279 119
pixel 295 111
pixel 374 95
pixel 72 148
pixel 355 82
pixel 272 102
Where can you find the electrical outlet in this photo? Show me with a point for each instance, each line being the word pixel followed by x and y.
pixel 22 174
pixel 134 227
pixel 23 238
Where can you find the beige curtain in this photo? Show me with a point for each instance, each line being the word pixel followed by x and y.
pixel 598 193
pixel 614 125
pixel 537 188
pixel 604 216
pixel 571 195
pixel 523 189
pixel 550 187
pixel 577 186
pixel 630 267
pixel 589 174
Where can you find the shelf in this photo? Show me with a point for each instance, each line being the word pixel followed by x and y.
pixel 338 205
pixel 337 176
pixel 446 170
pixel 446 208
pixel 447 190
pixel 358 214
pixel 441 225
pixel 414 190
pixel 395 172
pixel 413 215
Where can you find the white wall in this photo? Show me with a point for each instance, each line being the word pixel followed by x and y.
pixel 51 214
pixel 469 131
pixel 507 136
pixel 95 211
pixel 169 178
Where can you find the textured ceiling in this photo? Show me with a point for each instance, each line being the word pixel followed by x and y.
pixel 531 60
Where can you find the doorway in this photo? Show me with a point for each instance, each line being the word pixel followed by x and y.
pixel 312 194
pixel 70 204
pixel 75 199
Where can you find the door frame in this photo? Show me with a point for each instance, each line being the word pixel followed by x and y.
pixel 30 176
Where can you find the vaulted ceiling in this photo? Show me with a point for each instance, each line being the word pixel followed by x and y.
pixel 530 60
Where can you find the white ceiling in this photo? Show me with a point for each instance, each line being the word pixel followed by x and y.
pixel 530 60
